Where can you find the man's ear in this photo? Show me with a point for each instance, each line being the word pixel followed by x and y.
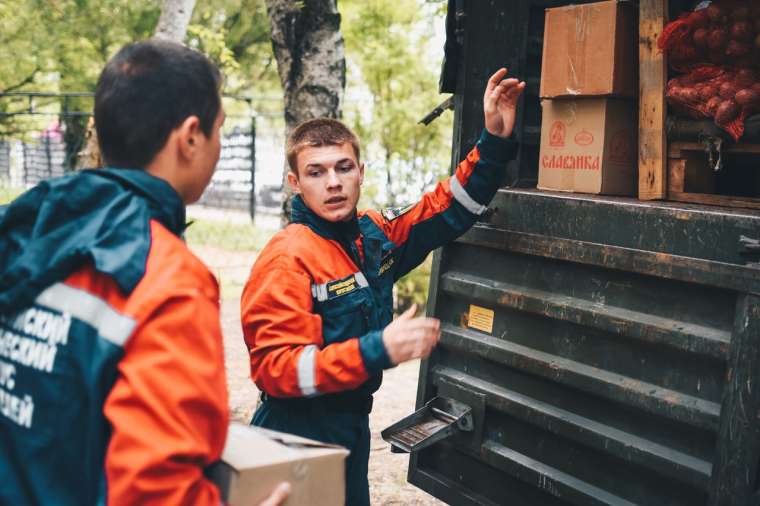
pixel 361 173
pixel 188 136
pixel 293 182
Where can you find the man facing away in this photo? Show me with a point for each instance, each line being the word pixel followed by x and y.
pixel 317 308
pixel 112 386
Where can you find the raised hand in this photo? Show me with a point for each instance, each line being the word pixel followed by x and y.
pixel 500 103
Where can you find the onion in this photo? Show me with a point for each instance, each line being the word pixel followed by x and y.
pixel 727 90
pixel 674 88
pixel 727 111
pixel 699 19
pixel 715 13
pixel 747 98
pixel 745 78
pixel 742 30
pixel 700 37
pixel 690 96
pixel 707 92
pixel 677 96
pixel 737 49
pixel 712 105
pixel 717 39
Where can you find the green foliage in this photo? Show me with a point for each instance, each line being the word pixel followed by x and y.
pixel 8 194
pixel 413 288
pixel 62 45
pixel 235 34
pixel 388 43
pixel 227 235
pixel 393 70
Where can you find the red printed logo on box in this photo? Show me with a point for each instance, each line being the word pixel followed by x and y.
pixel 557 135
pixel 584 138
pixel 570 162
pixel 621 148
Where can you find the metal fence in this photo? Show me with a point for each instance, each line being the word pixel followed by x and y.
pixel 5 163
pixel 41 134
pixel 39 142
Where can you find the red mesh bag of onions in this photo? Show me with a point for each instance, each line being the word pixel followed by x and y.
pixel 722 94
pixel 721 32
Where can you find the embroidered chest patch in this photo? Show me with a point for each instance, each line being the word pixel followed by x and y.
pixel 338 287
pixel 342 287
pixel 385 265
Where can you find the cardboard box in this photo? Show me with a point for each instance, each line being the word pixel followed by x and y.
pixel 255 460
pixel 589 145
pixel 590 50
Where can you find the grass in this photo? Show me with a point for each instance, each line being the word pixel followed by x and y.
pixel 230 236
pixel 7 194
pixel 228 246
pixel 227 236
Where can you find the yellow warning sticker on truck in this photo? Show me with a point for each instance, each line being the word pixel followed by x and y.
pixel 480 318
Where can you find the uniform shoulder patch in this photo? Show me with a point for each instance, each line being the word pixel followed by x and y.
pixel 391 213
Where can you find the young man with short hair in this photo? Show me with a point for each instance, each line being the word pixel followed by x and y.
pixel 112 380
pixel 317 309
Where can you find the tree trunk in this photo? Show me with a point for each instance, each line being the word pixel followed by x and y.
pixel 89 156
pixel 172 25
pixel 175 16
pixel 308 46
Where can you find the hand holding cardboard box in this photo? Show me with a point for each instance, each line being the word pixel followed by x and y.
pixel 255 461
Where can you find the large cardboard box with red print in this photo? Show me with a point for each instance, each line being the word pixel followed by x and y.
pixel 588 145
pixel 255 460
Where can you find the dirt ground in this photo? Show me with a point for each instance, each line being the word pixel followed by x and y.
pixel 394 400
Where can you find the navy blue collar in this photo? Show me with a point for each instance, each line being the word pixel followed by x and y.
pixel 165 204
pixel 100 216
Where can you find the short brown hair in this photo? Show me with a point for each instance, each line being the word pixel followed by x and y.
pixel 318 132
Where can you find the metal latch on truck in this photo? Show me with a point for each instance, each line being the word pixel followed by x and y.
pixel 437 420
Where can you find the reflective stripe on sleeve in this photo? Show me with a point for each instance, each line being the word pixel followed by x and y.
pixel 461 196
pixel 307 380
pixel 90 309
pixel 319 292
pixel 361 280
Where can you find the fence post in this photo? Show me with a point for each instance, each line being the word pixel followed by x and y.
pixel 5 163
pixel 252 200
pixel 25 165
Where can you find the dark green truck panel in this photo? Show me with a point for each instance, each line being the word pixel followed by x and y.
pixel 623 362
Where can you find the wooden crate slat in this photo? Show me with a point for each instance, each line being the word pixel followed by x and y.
pixel 677 149
pixel 715 200
pixel 652 109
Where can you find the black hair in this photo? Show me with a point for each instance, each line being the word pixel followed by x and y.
pixel 147 90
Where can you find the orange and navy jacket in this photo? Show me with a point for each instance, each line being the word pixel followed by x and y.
pixel 112 386
pixel 320 293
